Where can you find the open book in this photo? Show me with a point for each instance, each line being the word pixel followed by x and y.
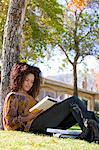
pixel 44 104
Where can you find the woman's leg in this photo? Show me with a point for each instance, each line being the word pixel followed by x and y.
pixel 64 114
pixel 52 117
pixel 68 122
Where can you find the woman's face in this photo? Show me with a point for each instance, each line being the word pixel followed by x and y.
pixel 28 82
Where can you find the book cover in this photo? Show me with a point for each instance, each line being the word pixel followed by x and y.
pixel 44 104
pixel 65 132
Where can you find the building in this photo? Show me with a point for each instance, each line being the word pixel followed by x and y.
pixel 88 81
pixel 61 90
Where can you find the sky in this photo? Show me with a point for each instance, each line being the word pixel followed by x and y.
pixel 51 67
pixel 61 2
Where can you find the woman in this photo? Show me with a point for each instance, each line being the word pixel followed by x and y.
pixel 25 84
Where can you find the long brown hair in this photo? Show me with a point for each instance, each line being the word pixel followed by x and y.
pixel 18 74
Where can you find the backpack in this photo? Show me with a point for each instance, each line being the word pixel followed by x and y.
pixel 90 133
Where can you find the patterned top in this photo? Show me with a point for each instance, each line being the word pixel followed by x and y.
pixel 16 106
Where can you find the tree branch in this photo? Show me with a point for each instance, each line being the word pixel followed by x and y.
pixel 86 34
pixel 65 53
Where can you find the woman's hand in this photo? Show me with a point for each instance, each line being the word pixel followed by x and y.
pixel 35 114
pixel 31 116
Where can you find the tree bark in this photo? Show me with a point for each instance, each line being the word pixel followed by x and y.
pixel 11 45
pixel 75 92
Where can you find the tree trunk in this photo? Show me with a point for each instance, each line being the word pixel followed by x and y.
pixel 75 93
pixel 11 45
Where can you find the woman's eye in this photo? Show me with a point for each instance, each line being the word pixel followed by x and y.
pixel 26 80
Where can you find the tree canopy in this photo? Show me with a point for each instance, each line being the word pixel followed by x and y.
pixel 42 19
pixel 80 34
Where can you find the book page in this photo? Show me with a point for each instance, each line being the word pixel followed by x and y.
pixel 44 104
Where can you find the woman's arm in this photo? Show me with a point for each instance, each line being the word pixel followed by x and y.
pixel 11 119
pixel 10 115
pixel 30 116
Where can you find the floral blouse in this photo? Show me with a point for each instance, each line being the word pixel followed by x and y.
pixel 16 106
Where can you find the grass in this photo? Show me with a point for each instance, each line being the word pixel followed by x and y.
pixel 75 127
pixel 16 140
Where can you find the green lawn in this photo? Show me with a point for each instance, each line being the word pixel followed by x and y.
pixel 15 140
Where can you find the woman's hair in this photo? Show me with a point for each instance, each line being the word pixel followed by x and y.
pixel 18 74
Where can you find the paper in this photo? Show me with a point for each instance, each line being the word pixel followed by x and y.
pixel 44 104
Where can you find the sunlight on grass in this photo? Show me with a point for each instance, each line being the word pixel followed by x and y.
pixel 75 127
pixel 13 140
